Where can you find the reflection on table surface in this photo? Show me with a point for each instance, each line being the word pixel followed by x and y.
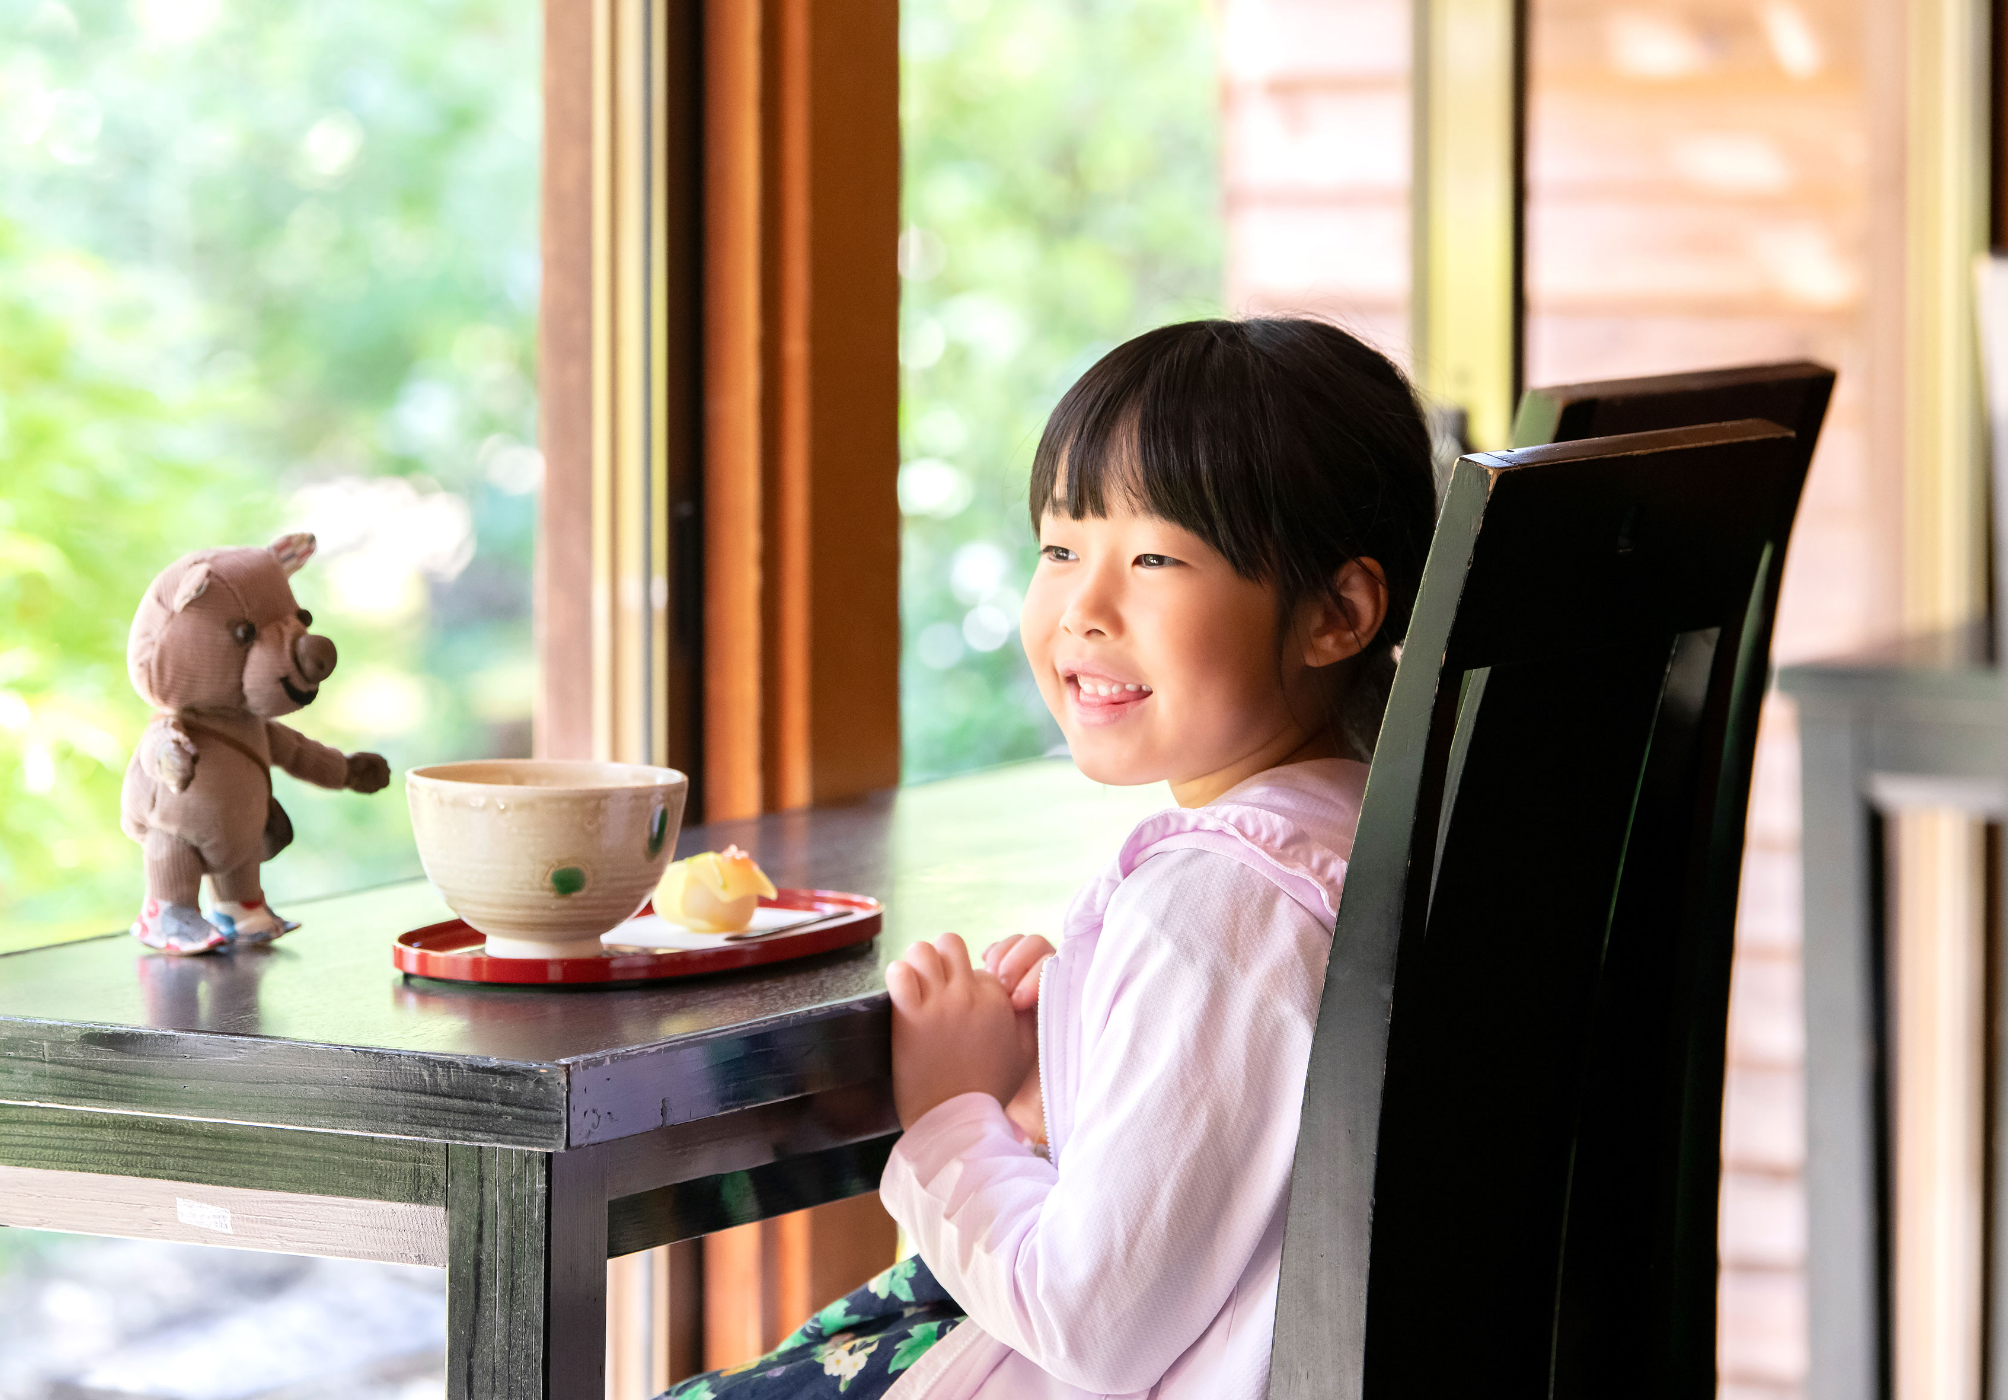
pixel 985 855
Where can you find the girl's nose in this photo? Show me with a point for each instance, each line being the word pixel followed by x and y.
pixel 315 656
pixel 1087 614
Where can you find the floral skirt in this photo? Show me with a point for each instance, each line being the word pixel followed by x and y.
pixel 855 1348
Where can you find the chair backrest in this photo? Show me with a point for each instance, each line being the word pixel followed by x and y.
pixel 1792 394
pixel 1506 1175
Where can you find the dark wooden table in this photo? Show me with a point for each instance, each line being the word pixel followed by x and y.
pixel 1923 723
pixel 311 1099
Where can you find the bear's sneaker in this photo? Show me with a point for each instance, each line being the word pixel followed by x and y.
pixel 176 928
pixel 247 924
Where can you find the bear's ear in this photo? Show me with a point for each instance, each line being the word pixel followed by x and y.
pixel 193 583
pixel 292 551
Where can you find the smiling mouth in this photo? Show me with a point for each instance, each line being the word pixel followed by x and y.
pixel 1102 698
pixel 297 695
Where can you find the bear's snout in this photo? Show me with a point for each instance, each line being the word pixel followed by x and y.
pixel 315 656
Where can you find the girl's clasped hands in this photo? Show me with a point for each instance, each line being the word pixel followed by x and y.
pixel 958 1028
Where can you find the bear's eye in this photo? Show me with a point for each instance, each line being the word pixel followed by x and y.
pixel 244 632
pixel 306 618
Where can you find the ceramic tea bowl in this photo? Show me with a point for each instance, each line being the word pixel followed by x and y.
pixel 544 855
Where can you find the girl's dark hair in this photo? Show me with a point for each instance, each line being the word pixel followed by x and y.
pixel 1286 444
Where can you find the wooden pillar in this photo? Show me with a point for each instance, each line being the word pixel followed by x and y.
pixel 563 605
pixel 619 382
pixel 733 489
pixel 801 607
pixel 802 398
pixel 763 1281
pixel 1939 984
pixel 1467 209
pixel 1938 1212
pixel 734 614
pixel 1947 207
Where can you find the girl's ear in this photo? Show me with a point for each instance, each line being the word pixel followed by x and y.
pixel 1340 626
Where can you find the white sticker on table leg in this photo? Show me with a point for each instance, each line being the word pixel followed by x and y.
pixel 202 1217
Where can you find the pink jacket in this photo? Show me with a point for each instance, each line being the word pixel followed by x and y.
pixel 1174 1030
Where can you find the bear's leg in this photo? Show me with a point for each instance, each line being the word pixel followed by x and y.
pixel 241 911
pixel 170 920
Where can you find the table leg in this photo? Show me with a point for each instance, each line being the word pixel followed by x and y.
pixel 1846 1111
pixel 526 1274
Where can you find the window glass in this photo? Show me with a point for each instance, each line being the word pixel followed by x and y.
pixel 262 267
pixel 1062 193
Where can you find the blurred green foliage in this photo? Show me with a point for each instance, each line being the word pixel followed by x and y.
pixel 1062 193
pixel 261 267
pixel 275 266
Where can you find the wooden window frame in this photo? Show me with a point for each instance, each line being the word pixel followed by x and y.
pixel 718 568
pixel 718 553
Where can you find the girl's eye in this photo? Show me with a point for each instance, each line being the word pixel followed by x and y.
pixel 1058 553
pixel 1155 561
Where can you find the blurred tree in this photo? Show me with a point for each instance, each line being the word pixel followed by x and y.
pixel 100 479
pixel 1062 194
pixel 265 266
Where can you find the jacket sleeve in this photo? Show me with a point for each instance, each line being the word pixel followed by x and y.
pixel 1196 1017
pixel 306 759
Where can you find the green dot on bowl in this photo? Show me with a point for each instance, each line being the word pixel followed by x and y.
pixel 658 827
pixel 568 879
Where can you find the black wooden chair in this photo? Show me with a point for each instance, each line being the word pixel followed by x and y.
pixel 1792 393
pixel 1506 1178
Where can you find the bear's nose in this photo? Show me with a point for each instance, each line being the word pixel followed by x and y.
pixel 315 656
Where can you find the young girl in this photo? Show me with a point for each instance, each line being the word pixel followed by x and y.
pixel 1232 521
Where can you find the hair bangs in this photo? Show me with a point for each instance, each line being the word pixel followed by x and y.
pixel 1141 430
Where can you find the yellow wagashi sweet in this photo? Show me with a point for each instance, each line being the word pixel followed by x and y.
pixel 714 892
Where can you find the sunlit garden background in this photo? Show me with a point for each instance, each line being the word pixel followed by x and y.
pixel 1062 194
pixel 266 267
pixel 262 267
pixel 275 266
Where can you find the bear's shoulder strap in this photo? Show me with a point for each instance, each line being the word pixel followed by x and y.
pixel 264 764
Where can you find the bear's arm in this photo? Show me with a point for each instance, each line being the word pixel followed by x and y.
pixel 305 759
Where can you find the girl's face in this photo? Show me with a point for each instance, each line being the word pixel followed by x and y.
pixel 1163 664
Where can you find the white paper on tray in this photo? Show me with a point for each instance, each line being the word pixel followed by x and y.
pixel 654 931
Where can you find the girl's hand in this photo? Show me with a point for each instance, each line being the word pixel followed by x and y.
pixel 954 1030
pixel 1015 962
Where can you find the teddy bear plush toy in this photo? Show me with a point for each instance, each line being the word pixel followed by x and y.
pixel 220 649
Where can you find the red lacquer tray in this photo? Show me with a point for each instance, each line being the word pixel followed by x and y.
pixel 439 950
